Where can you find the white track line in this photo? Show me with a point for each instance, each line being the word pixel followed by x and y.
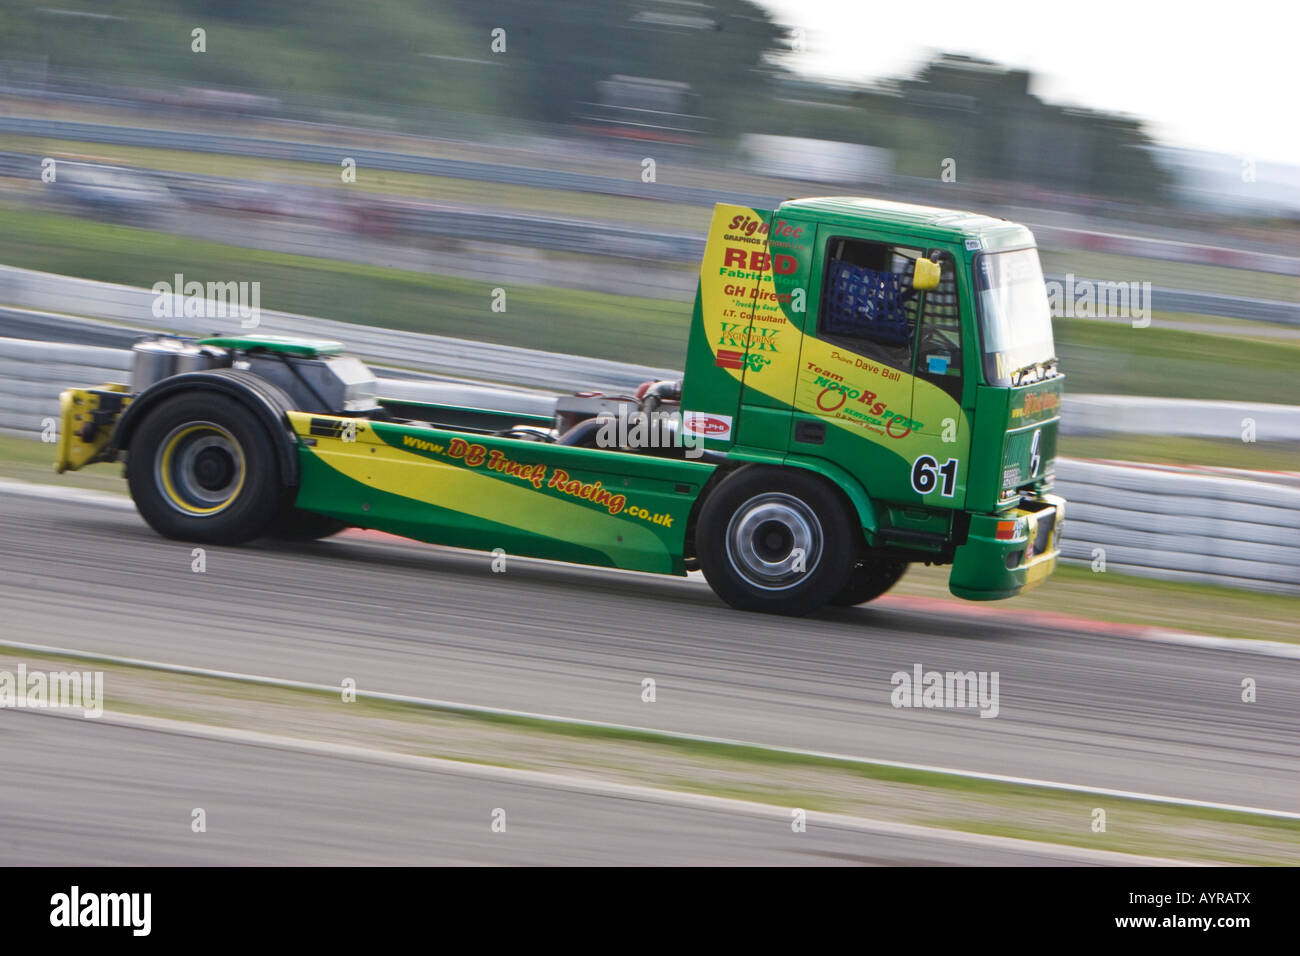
pixel 84 496
pixel 592 785
pixel 665 735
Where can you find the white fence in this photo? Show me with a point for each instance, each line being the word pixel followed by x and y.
pixel 1170 524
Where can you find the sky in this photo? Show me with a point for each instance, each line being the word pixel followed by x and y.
pixel 1221 77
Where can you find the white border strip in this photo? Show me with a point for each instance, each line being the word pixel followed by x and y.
pixel 85 496
pixel 593 785
pixel 665 735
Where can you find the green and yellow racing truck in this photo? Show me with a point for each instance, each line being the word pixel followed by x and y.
pixel 867 384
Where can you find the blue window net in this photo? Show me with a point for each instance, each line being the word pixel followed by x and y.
pixel 866 303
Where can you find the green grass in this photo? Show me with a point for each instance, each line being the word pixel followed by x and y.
pixel 1075 589
pixel 504 196
pixel 1174 363
pixel 1166 449
pixel 29 459
pixel 626 328
pixel 1175 275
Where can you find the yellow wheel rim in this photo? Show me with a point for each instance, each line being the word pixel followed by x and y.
pixel 200 468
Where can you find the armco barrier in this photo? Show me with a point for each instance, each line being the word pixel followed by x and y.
pixel 1178 525
pixel 457 358
pixel 1231 531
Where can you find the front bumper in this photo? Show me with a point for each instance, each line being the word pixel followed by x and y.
pixel 991 566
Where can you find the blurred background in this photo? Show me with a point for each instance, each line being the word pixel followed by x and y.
pixel 384 169
pixel 392 165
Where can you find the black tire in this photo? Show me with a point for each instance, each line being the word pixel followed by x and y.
pixel 296 525
pixel 749 528
pixel 202 468
pixel 872 576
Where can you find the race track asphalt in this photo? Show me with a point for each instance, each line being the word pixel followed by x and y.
pixel 1082 708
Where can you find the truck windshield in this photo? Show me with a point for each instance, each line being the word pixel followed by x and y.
pixel 1015 318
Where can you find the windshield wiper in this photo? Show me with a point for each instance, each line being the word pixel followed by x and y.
pixel 1042 368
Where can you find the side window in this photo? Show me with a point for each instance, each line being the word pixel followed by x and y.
pixel 868 304
pixel 938 352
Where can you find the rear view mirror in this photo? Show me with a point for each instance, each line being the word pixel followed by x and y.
pixel 925 275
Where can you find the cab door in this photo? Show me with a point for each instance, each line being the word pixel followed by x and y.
pixel 854 390
pixel 937 387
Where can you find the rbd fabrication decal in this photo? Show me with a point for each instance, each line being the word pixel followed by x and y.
pixel 707 425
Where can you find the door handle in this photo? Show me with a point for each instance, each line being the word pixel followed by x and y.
pixel 810 433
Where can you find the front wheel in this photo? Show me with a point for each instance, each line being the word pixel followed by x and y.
pixel 201 468
pixel 872 576
pixel 776 541
pixel 296 525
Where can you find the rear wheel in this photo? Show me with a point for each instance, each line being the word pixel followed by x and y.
pixel 201 468
pixel 872 576
pixel 776 541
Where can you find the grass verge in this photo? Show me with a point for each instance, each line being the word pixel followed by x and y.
pixel 623 328
pixel 1113 596
pixel 1181 450
pixel 29 459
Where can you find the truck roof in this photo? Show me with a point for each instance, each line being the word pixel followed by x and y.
pixel 931 222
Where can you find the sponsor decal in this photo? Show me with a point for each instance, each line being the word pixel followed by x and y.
pixel 747 225
pixel 540 476
pixel 727 358
pixel 755 294
pixel 587 491
pixel 741 336
pixel 835 395
pixel 707 424
pixel 1036 403
pixel 757 262
pixel 326 427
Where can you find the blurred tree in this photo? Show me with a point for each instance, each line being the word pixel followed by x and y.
pixel 560 50
pixel 1007 133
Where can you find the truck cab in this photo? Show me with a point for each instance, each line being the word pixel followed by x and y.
pixel 903 352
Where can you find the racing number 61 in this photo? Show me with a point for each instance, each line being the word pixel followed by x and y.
pixel 925 475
